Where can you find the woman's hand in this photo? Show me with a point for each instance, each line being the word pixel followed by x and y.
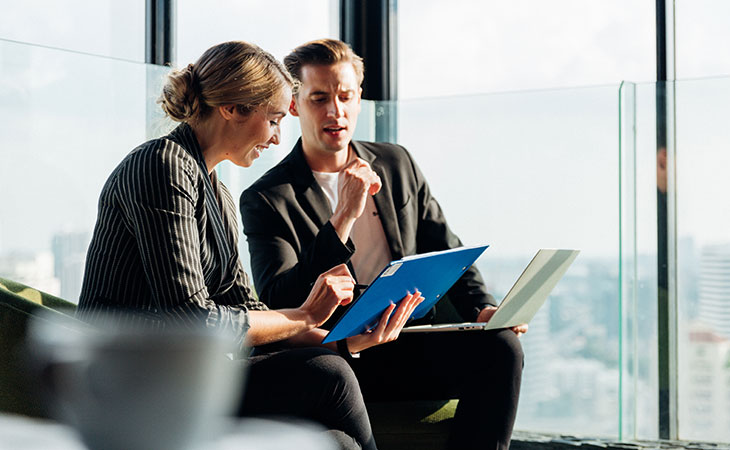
pixel 332 288
pixel 389 327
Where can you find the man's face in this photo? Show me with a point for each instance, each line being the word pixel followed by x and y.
pixel 327 105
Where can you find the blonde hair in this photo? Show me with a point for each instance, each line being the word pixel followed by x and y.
pixel 323 52
pixel 233 72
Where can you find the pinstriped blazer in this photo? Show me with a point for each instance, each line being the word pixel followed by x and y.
pixel 164 249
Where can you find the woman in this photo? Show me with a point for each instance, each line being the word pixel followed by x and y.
pixel 164 250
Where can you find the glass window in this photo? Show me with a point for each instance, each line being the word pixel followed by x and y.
pixel 526 170
pixel 469 46
pixel 703 254
pixel 68 120
pixel 101 27
pixel 701 219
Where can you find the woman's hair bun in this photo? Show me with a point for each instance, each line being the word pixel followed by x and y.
pixel 230 73
pixel 180 98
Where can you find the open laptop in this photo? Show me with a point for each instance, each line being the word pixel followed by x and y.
pixel 525 297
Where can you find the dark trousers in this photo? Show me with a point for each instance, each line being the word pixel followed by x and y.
pixel 483 369
pixel 308 383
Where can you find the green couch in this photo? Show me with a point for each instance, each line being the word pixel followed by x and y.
pixel 19 392
pixel 397 425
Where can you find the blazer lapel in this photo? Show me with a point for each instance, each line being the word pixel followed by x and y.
pixel 222 227
pixel 383 201
pixel 213 209
pixel 312 198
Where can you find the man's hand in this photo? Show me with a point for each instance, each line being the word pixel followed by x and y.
pixel 487 313
pixel 389 327
pixel 332 288
pixel 357 181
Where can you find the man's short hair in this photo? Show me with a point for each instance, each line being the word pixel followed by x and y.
pixel 323 52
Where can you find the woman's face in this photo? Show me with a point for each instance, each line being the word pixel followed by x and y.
pixel 250 134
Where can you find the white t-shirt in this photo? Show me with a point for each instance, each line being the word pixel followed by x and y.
pixel 371 248
pixel 329 182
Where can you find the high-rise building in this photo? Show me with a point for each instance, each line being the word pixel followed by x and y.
pixel 714 288
pixel 69 252
pixel 704 384
pixel 704 376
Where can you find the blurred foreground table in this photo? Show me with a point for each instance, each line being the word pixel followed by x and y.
pixel 23 433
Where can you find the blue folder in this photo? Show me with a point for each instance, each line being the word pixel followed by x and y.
pixel 431 273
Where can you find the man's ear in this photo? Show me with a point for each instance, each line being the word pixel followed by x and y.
pixel 293 107
pixel 227 111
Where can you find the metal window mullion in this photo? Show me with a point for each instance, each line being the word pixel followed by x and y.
pixel 159 50
pixel 160 32
pixel 666 223
pixel 370 28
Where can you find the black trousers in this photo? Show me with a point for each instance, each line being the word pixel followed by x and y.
pixel 483 369
pixel 308 383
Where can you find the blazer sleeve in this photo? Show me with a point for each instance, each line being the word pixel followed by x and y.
pixel 241 293
pixel 469 294
pixel 283 269
pixel 159 195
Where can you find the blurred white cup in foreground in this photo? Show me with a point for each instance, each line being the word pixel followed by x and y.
pixel 132 388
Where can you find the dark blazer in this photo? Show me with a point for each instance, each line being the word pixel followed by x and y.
pixel 291 241
pixel 164 248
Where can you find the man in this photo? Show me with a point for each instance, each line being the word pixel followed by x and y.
pixel 332 201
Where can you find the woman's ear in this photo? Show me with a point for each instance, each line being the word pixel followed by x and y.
pixel 227 111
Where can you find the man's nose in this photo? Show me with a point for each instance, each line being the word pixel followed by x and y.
pixel 335 108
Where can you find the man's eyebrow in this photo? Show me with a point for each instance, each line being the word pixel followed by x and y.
pixel 278 113
pixel 316 93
